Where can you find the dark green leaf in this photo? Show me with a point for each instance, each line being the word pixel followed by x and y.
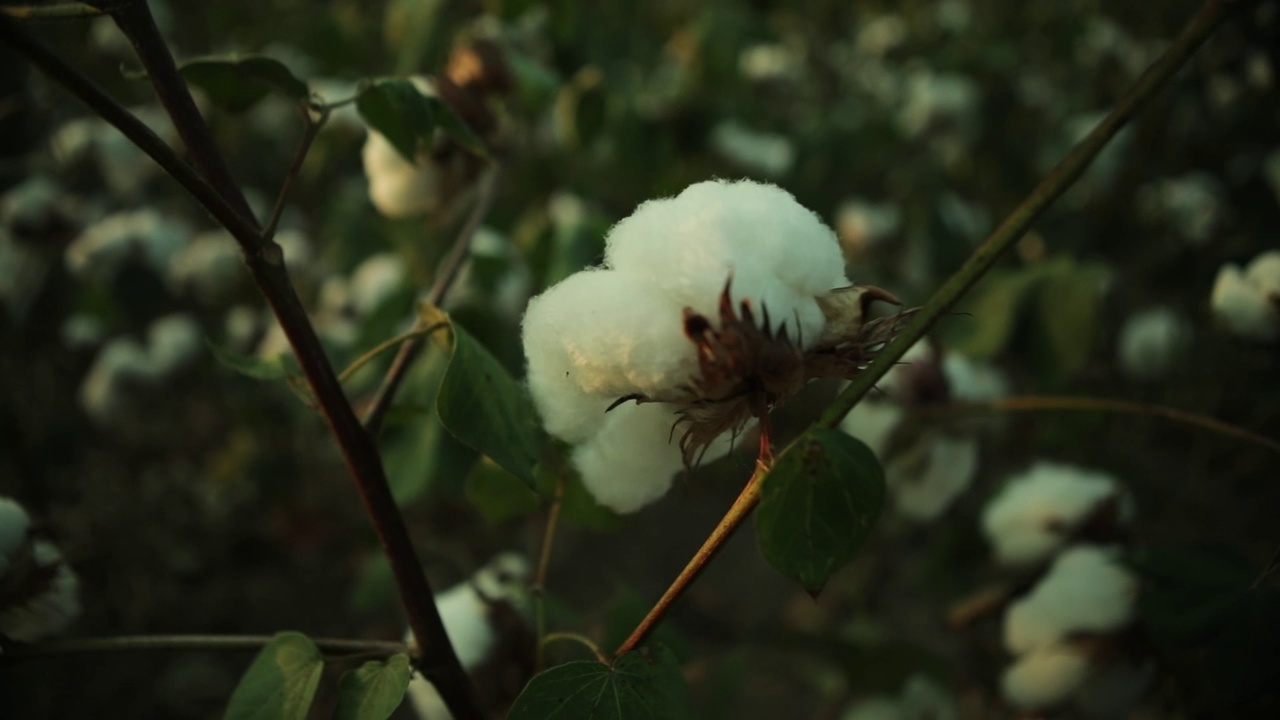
pixel 456 127
pixel 641 685
pixel 274 368
pixel 484 407
pixel 281 682
pixel 1190 594
pixel 374 588
pixel 237 82
pixel 374 690
pixel 993 307
pixel 395 108
pixel 818 504
pixel 1068 303
pixel 498 495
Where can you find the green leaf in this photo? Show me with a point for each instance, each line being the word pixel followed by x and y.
pixel 1191 594
pixel 818 504
pixel 994 307
pixel 456 128
pixel 484 407
pixel 640 685
pixel 374 690
pixel 279 367
pixel 1068 304
pixel 281 682
pixel 395 108
pixel 236 83
pixel 498 495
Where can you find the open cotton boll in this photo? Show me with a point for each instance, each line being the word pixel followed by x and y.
pixel 210 267
pixel 174 341
pixel 873 423
pixel 972 381
pixel 30 617
pixel 1248 302
pixel 397 187
pixel 1151 340
pixel 1037 510
pixel 105 246
pixel 925 482
pixel 121 364
pixel 1044 678
pixel 779 254
pixel 1086 590
pixel 375 280
pixel 631 462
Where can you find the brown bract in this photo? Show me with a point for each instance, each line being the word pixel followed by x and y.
pixel 746 366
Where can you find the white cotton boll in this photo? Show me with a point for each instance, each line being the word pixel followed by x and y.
pixel 122 364
pixel 765 153
pixel 375 280
pixel 779 254
pixel 1244 305
pixel 81 331
pixel 971 381
pixel 934 99
pixel 879 35
pixel 924 487
pixel 297 251
pixel 769 61
pixel 1086 590
pixel 1032 516
pixel 14 523
pixel 862 224
pixel 630 463
pixel 1150 342
pixel 34 618
pixel 106 245
pixel 1044 678
pixel 873 422
pixel 239 326
pixel 1192 205
pixel 1264 273
pixel 174 341
pixel 398 188
pixel 210 267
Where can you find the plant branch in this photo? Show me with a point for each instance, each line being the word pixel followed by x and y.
pixel 314 124
pixel 446 273
pixel 1206 20
pixel 384 346
pixel 218 193
pixel 1051 403
pixel 60 11
pixel 134 643
pixel 539 588
pixel 574 637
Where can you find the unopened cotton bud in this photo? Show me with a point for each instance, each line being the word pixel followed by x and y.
pixel 1045 678
pixel 1036 512
pixel 1248 301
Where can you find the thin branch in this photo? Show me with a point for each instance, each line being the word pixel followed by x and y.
pixel 582 640
pixel 219 194
pixel 148 643
pixel 60 11
pixel 314 125
pixel 1051 403
pixel 447 272
pixel 384 346
pixel 1209 17
pixel 539 587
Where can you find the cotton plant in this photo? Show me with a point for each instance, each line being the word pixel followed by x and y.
pixel 710 307
pixel 1247 301
pixel 926 468
pixel 39 592
pixel 479 615
pixel 1151 342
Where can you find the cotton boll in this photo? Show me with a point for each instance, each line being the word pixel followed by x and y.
pixel 122 364
pixel 768 154
pixel 49 611
pixel 398 188
pixel 1086 590
pixel 209 268
pixel 925 482
pixel 1246 302
pixel 863 225
pixel 873 422
pixel 14 524
pixel 174 341
pixel 630 463
pixel 778 253
pixel 1031 518
pixel 1045 678
pixel 971 381
pixel 1150 342
pixel 105 246
pixel 375 280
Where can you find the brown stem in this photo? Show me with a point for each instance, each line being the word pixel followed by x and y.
pixel 314 124
pixel 539 588
pixel 447 272
pixel 131 643
pixel 222 197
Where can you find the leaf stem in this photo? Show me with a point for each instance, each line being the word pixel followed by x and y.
pixel 1206 20
pixel 539 588
pixel 135 643
pixel 1051 403
pixel 574 637
pixel 446 273
pixel 313 126
pixel 385 345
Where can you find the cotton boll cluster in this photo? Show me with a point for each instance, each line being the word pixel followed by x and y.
pixel 1151 341
pixel 922 698
pixel 622 330
pixel 144 236
pixel 115 389
pixel 926 469
pixel 39 593
pixel 475 615
pixel 1247 301
pixel 1038 511
pixel 124 168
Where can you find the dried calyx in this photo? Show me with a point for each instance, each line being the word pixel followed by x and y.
pixel 746 366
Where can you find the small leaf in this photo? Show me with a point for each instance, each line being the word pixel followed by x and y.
pixel 498 495
pixel 237 82
pixel 640 685
pixel 374 690
pixel 484 407
pixel 818 504
pixel 1068 301
pixel 274 368
pixel 456 127
pixel 281 682
pixel 395 108
pixel 994 307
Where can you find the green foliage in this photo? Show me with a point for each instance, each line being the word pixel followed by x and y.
pixel 281 682
pixel 484 407
pixel 817 506
pixel 408 119
pixel 237 82
pixel 498 495
pixel 374 690
pixel 280 367
pixel 640 685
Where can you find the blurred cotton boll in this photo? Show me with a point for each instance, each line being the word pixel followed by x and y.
pixel 1248 302
pixel 376 279
pixel 863 225
pixel 209 268
pixel 39 593
pixel 399 188
pixel 1038 510
pixel 475 614
pixel 112 393
pixel 107 245
pixel 1151 341
pixel 1044 678
pixel 14 524
pixel 1087 590
pixel 922 698
pixel 1191 205
pixel 622 331
pixel 768 154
